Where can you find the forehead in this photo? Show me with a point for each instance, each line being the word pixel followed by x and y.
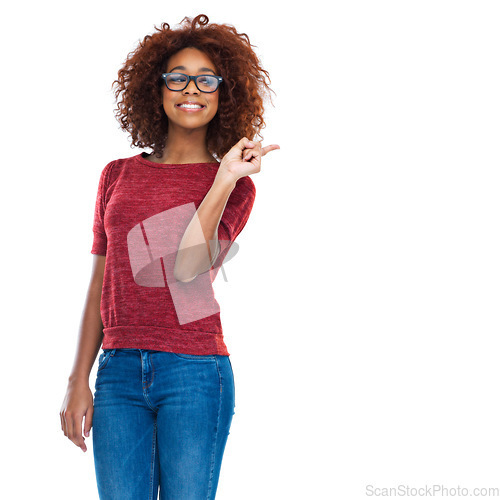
pixel 191 58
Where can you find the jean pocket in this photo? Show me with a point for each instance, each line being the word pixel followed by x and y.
pixel 195 357
pixel 104 358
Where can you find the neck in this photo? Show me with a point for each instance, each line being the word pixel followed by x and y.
pixel 186 146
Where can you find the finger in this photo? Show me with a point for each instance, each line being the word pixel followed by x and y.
pixel 69 427
pixel 88 421
pixel 66 425
pixel 251 153
pixel 243 143
pixel 246 153
pixel 80 440
pixel 271 147
pixel 63 424
pixel 76 432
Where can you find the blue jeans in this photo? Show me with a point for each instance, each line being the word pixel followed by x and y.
pixel 161 420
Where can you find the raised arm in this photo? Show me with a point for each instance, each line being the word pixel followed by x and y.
pixel 200 244
pixel 199 247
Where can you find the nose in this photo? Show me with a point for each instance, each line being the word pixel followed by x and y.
pixel 191 86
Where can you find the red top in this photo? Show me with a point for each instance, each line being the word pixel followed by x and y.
pixel 142 210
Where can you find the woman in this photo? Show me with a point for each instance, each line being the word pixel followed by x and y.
pixel 163 224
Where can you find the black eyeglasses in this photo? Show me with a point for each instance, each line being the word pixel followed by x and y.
pixel 204 83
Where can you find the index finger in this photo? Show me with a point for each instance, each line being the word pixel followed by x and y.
pixel 271 147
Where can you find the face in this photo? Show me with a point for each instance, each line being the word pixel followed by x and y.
pixel 190 61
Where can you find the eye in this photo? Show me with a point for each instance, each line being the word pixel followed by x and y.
pixel 176 78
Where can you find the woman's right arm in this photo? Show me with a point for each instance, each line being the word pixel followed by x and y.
pixel 79 400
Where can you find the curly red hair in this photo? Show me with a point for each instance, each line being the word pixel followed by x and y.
pixel 241 94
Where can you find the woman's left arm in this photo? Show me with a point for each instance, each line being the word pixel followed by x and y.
pixel 199 246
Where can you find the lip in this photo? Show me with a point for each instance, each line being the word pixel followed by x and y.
pixel 190 110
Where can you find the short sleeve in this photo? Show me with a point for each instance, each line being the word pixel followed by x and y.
pixel 100 241
pixel 235 216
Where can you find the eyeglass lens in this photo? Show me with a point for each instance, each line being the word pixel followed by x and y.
pixel 177 81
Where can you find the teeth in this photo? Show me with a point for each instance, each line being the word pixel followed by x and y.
pixel 193 106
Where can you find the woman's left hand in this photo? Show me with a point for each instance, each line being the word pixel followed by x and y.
pixel 244 158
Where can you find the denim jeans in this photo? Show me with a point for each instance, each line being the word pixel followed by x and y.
pixel 161 421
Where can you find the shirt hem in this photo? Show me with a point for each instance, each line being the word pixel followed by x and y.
pixel 164 339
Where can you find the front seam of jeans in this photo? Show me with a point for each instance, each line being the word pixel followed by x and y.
pixel 144 389
pixel 151 480
pixel 152 372
pixel 214 447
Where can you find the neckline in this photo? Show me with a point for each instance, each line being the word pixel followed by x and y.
pixel 154 164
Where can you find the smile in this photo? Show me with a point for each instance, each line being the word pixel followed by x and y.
pixel 190 108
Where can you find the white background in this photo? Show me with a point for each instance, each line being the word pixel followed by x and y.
pixel 362 311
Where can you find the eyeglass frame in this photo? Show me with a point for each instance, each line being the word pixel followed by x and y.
pixel 192 77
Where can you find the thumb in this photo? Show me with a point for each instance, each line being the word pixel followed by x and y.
pixel 88 421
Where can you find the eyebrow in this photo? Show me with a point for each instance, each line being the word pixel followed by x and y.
pixel 184 67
